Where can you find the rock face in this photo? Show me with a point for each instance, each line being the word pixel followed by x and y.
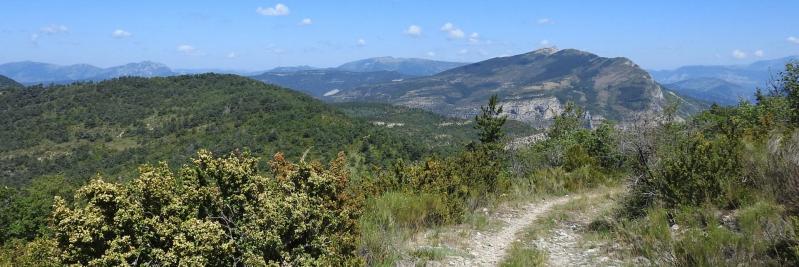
pixel 533 87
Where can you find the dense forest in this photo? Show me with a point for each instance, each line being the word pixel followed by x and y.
pixel 717 189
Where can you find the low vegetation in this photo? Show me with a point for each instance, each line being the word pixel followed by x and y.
pixel 718 189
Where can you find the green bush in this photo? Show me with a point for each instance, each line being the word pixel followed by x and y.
pixel 218 211
pixel 692 171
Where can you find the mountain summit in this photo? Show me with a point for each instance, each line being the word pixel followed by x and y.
pixel 533 87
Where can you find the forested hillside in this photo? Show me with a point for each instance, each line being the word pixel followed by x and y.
pixel 6 82
pixel 111 127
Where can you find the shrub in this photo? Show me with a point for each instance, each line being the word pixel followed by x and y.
pixel 219 211
pixel 691 171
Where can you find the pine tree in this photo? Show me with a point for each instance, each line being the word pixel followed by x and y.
pixel 490 121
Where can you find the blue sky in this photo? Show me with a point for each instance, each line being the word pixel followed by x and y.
pixel 257 35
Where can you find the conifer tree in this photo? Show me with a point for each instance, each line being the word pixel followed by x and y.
pixel 490 122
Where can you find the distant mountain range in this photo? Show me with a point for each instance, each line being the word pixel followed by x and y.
pixel 407 66
pixel 533 87
pixel 721 84
pixel 28 72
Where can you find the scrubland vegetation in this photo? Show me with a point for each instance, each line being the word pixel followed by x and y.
pixel 718 189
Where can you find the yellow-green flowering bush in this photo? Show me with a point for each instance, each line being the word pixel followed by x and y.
pixel 218 211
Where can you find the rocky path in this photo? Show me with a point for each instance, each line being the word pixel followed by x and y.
pixel 488 248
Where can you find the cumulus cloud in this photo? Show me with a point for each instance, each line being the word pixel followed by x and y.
pixel 452 31
pixel 187 49
pixel 414 31
pixel 360 42
pixel 474 38
pixel 306 22
pixel 793 39
pixel 758 53
pixel 544 21
pixel 277 10
pixel 738 54
pixel 120 33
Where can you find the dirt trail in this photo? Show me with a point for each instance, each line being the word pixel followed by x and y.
pixel 489 249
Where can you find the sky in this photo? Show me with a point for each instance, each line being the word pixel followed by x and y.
pixel 258 35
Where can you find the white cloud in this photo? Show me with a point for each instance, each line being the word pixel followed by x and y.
pixel 738 54
pixel 48 30
pixel 456 34
pixel 545 43
pixel 278 10
pixel 452 31
pixel 306 22
pixel 361 42
pixel 414 31
pixel 232 55
pixel 758 53
pixel 793 39
pixel 431 54
pixel 447 27
pixel 120 33
pixel 463 51
pixel 474 38
pixel 544 21
pixel 187 49
pixel 53 29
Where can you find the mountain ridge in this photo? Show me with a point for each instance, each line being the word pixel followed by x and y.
pixel 533 87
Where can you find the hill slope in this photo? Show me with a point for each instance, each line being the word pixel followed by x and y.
pixel 113 126
pixel 6 82
pixel 407 66
pixel 321 82
pixel 533 87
